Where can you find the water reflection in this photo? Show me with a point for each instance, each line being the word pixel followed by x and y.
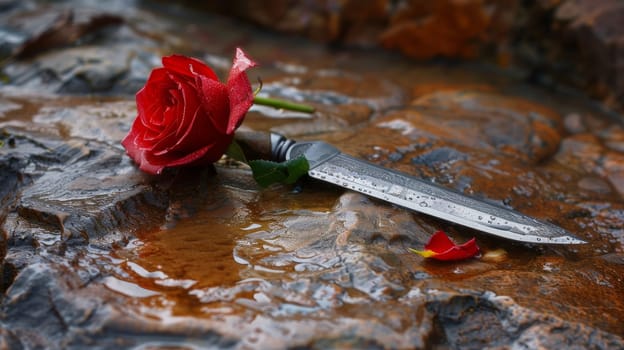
pixel 196 252
pixel 226 251
pixel 127 288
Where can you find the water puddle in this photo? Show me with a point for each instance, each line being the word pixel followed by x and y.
pixel 223 252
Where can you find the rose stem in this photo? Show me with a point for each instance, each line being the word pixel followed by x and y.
pixel 281 104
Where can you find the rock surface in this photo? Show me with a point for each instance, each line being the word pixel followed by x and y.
pixel 578 43
pixel 96 254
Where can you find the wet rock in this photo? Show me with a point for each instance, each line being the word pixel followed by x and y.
pixel 595 30
pixel 350 267
pixel 509 325
pixel 12 179
pixel 583 152
pixel 514 126
pixel 573 124
pixel 62 31
pixel 360 99
pixel 575 43
pixel 82 65
pixel 40 290
pixel 86 189
pixel 109 257
pixel 73 314
pixel 456 130
pixel 83 70
pixel 461 29
pixel 437 156
pixel 594 184
pixel 615 171
pixel 104 197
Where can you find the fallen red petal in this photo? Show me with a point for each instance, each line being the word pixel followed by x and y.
pixel 439 242
pixel 440 247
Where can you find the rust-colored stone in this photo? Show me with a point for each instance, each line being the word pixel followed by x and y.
pixel 440 28
pixel 577 43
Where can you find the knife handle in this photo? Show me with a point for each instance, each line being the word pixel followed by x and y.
pixel 263 145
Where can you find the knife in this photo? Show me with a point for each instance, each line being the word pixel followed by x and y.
pixel 328 164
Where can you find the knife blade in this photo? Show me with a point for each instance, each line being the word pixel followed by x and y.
pixel 328 164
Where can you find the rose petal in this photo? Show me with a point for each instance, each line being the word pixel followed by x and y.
pixel 130 142
pixel 171 159
pixel 216 103
pixel 162 143
pixel 188 66
pixel 241 95
pixel 149 98
pixel 202 156
pixel 440 247
pixel 165 135
pixel 460 252
pixel 148 167
pixel 186 109
pixel 439 242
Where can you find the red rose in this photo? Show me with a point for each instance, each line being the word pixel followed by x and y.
pixel 186 116
pixel 440 247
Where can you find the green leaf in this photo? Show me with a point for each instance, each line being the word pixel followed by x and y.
pixel 267 173
pixel 235 151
